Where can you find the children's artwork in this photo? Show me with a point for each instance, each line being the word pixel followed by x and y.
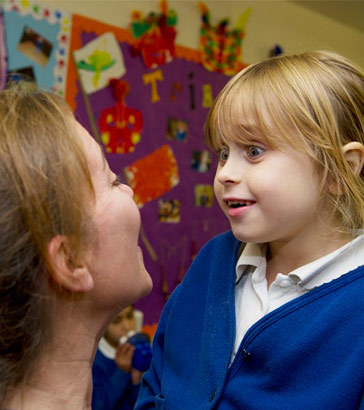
pixel 201 161
pixel 120 125
pixel 38 36
pixel 155 35
pixel 35 46
pixel 159 165
pixel 204 195
pixel 99 61
pixel 169 210
pixel 221 48
pixel 154 175
pixel 177 130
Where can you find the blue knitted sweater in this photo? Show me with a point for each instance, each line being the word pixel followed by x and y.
pixel 306 355
pixel 112 388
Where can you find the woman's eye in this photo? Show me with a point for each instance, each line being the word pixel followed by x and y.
pixel 254 151
pixel 223 154
pixel 117 181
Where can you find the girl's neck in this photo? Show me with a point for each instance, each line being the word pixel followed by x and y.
pixel 284 257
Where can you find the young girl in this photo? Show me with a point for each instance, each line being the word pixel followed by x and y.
pixel 115 381
pixel 271 316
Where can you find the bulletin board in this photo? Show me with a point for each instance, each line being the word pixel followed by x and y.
pixel 148 111
pixel 178 215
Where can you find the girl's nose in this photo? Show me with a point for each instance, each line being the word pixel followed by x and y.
pixel 229 172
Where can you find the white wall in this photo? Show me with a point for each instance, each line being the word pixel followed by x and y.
pixel 292 26
pixel 297 29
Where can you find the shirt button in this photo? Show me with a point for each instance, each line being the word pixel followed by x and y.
pixel 212 396
pixel 246 355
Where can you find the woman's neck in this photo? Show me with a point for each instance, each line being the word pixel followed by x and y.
pixel 62 379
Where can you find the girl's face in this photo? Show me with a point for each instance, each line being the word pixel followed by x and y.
pixel 114 257
pixel 123 323
pixel 269 196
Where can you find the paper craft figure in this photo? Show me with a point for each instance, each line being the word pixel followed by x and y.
pixel 99 61
pixel 154 175
pixel 155 35
pixel 120 125
pixel 220 47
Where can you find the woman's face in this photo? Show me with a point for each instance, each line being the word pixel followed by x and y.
pixel 114 257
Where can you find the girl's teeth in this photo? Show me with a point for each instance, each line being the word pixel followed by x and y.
pixel 238 204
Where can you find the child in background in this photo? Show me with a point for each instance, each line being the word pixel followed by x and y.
pixel 115 381
pixel 271 315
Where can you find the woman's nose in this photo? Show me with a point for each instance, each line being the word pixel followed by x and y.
pixel 127 190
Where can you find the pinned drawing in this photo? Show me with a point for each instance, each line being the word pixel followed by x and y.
pixel 204 195
pixel 177 129
pixel 154 175
pixel 35 46
pixel 201 161
pixel 99 61
pixel 169 210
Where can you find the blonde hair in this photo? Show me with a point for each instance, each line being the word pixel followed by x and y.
pixel 45 185
pixel 313 102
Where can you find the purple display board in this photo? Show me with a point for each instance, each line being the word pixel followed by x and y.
pixel 174 107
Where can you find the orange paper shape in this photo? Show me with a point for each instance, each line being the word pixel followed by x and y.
pixel 154 175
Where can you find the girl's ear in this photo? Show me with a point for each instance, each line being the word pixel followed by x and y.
pixel 65 271
pixel 354 154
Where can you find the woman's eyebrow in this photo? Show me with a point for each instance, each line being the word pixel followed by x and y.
pixel 104 162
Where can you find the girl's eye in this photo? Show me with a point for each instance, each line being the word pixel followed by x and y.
pixel 223 154
pixel 254 151
pixel 117 181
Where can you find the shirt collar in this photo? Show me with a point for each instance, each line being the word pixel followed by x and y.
pixel 106 349
pixel 252 255
pixel 331 266
pixel 313 274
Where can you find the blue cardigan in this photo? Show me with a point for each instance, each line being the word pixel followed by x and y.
pixel 306 355
pixel 112 388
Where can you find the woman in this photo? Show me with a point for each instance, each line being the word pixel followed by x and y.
pixel 69 255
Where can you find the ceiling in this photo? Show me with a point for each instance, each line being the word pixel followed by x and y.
pixel 349 12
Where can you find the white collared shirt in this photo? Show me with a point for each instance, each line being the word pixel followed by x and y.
pixel 106 349
pixel 253 299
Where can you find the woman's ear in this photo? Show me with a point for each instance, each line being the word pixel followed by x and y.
pixel 354 154
pixel 65 271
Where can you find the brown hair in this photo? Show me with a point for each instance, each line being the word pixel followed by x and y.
pixel 313 101
pixel 44 181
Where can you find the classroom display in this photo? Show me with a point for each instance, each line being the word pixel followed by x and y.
pixel 146 100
